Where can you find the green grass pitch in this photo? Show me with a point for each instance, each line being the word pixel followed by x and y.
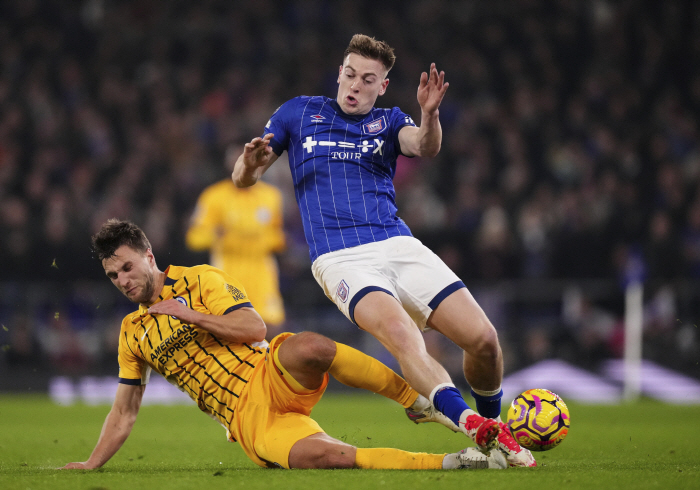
pixel 643 445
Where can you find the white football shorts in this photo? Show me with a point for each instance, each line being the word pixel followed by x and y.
pixel 400 266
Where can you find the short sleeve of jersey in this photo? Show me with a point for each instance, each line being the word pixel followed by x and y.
pixel 133 370
pixel 280 124
pixel 223 293
pixel 397 120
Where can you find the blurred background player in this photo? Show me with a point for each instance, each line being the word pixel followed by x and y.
pixel 243 229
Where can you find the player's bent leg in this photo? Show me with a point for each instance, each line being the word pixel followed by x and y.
pixel 353 368
pixel 462 320
pixel 358 370
pixel 382 315
pixel 307 356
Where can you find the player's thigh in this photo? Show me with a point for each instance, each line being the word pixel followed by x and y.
pixel 460 318
pixel 273 412
pixel 423 280
pixel 283 392
pixel 275 434
pixel 383 316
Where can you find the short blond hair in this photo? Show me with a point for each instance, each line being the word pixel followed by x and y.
pixel 370 48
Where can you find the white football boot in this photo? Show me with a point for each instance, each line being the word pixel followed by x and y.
pixel 474 459
pixel 423 411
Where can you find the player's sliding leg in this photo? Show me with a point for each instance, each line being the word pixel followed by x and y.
pixel 353 368
pixel 462 320
pixel 308 356
pixel 304 360
pixel 323 452
pixel 382 316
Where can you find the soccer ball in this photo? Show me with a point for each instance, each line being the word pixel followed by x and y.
pixel 538 419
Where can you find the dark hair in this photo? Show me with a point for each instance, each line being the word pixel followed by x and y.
pixel 115 233
pixel 368 47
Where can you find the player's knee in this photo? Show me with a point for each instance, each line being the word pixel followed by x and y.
pixel 486 344
pixel 314 350
pixel 401 338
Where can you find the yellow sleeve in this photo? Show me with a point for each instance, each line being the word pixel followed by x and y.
pixel 205 221
pixel 221 293
pixel 133 370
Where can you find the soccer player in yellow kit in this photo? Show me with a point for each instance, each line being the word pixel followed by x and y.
pixel 196 327
pixel 242 229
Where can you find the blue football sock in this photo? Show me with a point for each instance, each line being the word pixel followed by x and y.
pixel 450 402
pixel 488 406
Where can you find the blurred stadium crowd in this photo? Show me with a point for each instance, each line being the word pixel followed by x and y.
pixel 571 153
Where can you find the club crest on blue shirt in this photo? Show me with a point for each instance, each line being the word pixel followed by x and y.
pixel 181 300
pixel 343 291
pixel 375 127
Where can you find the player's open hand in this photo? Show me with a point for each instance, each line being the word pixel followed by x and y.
pixel 174 308
pixel 257 153
pixel 431 90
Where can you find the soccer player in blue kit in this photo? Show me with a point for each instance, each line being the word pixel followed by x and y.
pixel 342 156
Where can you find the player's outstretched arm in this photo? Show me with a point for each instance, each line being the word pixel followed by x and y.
pixel 256 158
pixel 238 326
pixel 426 139
pixel 116 428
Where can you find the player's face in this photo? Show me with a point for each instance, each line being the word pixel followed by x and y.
pixel 360 81
pixel 132 273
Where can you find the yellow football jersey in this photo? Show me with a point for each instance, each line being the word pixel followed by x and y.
pixel 242 228
pixel 211 371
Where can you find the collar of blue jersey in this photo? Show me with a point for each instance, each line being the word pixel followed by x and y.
pixel 352 117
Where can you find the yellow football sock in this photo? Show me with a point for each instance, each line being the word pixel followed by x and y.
pixel 353 368
pixel 395 459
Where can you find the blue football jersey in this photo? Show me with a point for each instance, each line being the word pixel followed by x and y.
pixel 342 167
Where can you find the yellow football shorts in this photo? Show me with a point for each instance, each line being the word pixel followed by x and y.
pixel 273 410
